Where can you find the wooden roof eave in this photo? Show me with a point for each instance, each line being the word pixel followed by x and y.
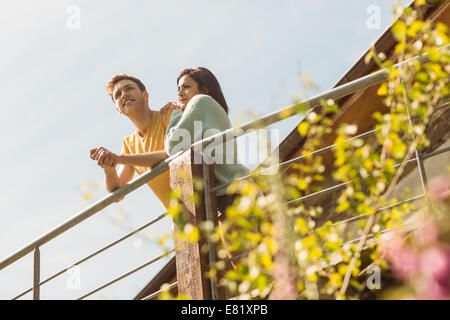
pixel 291 146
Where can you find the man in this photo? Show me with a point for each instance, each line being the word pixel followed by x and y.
pixel 131 99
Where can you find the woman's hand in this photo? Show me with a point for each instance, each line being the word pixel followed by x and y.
pixel 171 106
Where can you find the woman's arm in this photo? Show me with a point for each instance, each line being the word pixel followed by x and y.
pixel 149 159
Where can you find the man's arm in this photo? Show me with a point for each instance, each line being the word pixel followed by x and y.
pixel 107 161
pixel 114 180
pixel 149 159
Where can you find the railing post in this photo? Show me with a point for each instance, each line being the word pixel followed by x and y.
pixel 192 260
pixel 211 215
pixel 36 273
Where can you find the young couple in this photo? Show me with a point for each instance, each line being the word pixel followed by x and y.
pixel 200 100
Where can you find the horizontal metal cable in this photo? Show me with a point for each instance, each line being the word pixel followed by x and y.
pixel 297 159
pixel 291 161
pixel 127 274
pixel 428 155
pixel 380 209
pixel 371 235
pixel 425 156
pixel 346 221
pixel 94 254
pixel 337 186
pixel 157 293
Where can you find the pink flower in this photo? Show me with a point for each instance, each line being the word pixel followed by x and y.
pixel 406 263
pixel 403 259
pixel 392 244
pixel 432 290
pixel 435 263
pixel 439 188
pixel 427 233
pixel 435 273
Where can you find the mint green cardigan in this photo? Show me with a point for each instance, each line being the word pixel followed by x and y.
pixel 202 118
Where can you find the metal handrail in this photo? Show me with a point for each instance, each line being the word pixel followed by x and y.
pixel 232 133
pixel 91 210
pixel 93 254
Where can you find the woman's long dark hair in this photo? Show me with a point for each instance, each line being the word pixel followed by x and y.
pixel 207 83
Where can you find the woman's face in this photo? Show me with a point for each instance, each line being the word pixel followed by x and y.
pixel 187 88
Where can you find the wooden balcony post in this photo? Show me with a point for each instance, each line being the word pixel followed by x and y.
pixel 191 261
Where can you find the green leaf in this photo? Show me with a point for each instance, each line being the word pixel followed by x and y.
pixel 415 27
pixel 368 57
pixel 398 150
pixel 343 206
pixel 303 128
pixel 399 30
pixel 301 226
pixel 266 260
pixel 302 184
pixel 422 77
pixel 382 90
pixel 434 54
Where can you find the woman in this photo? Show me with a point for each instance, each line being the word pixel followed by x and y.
pixel 204 111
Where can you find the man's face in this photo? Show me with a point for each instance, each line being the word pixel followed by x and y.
pixel 128 98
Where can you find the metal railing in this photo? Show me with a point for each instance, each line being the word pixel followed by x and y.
pixel 335 93
pixel 78 218
pixel 94 254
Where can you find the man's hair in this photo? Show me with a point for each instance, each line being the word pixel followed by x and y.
pixel 119 77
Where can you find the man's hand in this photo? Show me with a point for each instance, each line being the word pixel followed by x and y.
pixel 105 158
pixel 171 106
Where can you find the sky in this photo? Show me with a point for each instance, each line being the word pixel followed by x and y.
pixel 56 59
